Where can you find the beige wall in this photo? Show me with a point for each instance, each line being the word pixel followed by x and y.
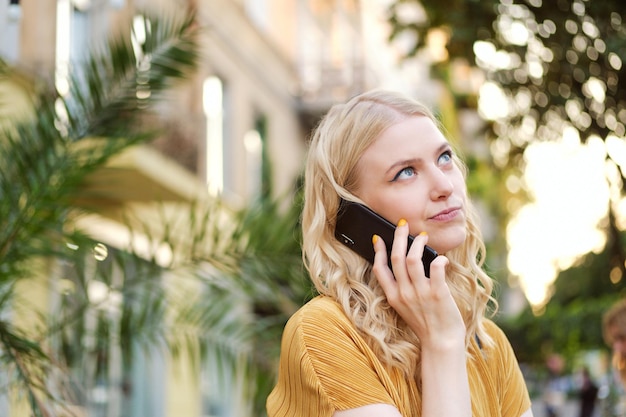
pixel 260 80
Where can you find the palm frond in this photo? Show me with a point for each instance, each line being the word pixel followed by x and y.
pixel 234 277
pixel 45 158
pixel 131 74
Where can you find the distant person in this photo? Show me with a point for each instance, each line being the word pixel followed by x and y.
pixel 557 386
pixel 614 332
pixel 386 340
pixel 587 394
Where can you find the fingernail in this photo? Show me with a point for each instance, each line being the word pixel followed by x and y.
pixel 374 239
pixel 401 223
pixel 423 234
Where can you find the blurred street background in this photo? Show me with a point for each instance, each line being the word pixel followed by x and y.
pixel 151 154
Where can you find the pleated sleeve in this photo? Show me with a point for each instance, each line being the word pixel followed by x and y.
pixel 513 393
pixel 326 366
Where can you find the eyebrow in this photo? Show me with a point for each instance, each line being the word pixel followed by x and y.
pixel 415 161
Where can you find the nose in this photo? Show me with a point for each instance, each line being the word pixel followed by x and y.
pixel 441 185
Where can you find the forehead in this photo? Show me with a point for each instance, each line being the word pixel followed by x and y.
pixel 416 135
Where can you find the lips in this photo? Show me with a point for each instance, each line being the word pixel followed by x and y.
pixel 447 214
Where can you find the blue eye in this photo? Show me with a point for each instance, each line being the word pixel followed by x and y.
pixel 445 157
pixel 404 173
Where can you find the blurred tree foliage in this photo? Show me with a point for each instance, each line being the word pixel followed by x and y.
pixel 558 65
pixel 572 321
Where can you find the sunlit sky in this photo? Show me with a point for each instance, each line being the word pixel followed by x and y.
pixel 570 193
pixel 567 183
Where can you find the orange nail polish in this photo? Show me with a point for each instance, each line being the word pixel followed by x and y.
pixel 374 239
pixel 401 223
pixel 423 234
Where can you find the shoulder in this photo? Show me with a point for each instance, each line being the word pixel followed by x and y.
pixel 325 364
pixel 501 352
pixel 321 326
pixel 493 329
pixel 321 304
pixel 496 333
pixel 321 336
pixel 321 314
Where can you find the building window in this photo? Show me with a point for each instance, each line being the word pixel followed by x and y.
pixel 259 175
pixel 72 41
pixel 10 15
pixel 78 24
pixel 254 163
pixel 257 11
pixel 213 104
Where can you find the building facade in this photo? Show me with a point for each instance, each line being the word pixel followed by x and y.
pixel 268 70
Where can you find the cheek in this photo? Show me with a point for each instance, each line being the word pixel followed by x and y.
pixel 391 206
pixel 390 210
pixel 459 183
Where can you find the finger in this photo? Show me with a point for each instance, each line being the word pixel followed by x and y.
pixel 414 257
pixel 381 270
pixel 438 270
pixel 399 250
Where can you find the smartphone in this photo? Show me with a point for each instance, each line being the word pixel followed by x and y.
pixel 356 224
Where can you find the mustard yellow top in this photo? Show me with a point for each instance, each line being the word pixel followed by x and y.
pixel 326 365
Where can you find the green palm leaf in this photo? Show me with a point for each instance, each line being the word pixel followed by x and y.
pixel 46 157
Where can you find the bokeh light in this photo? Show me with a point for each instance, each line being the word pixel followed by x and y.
pixel 567 183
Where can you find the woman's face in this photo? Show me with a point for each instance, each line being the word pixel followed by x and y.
pixel 617 336
pixel 408 173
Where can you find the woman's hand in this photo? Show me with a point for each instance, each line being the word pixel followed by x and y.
pixel 426 305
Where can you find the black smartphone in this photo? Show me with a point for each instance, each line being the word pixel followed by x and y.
pixel 356 224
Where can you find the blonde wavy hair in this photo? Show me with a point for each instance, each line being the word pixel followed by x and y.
pixel 337 144
pixel 615 318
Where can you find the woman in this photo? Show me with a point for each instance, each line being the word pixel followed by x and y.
pixel 389 342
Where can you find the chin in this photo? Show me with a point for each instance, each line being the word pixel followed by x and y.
pixel 447 243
